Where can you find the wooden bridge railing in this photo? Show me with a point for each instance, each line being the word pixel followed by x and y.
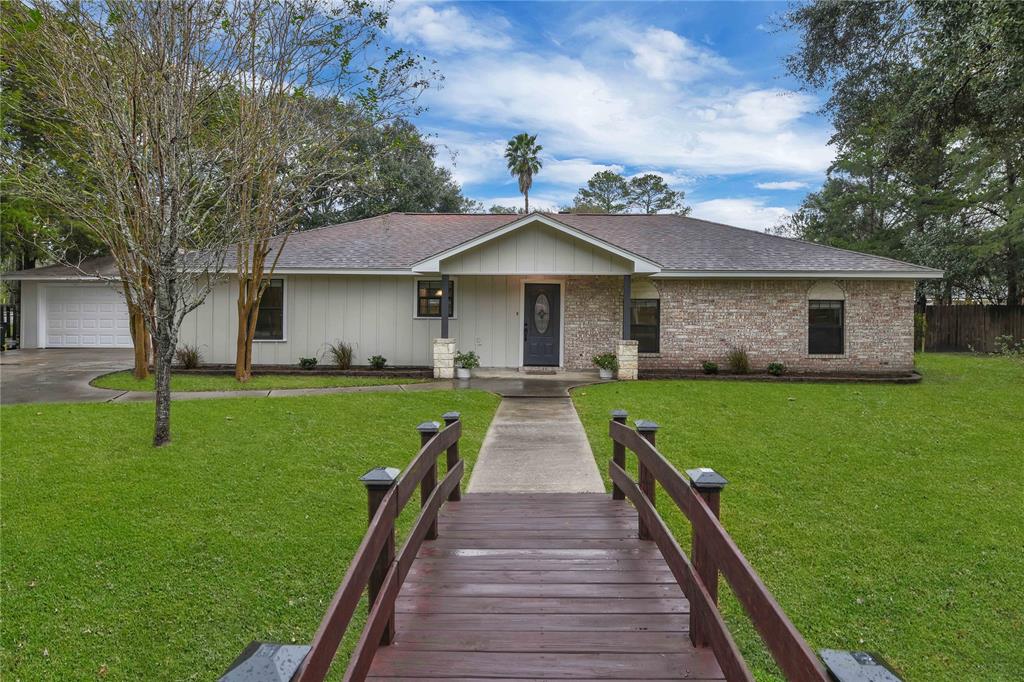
pixel 375 567
pixel 713 551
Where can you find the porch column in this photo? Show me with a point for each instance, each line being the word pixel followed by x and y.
pixel 627 304
pixel 444 306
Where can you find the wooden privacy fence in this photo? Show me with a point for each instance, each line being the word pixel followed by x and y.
pixel 713 552
pixel 971 327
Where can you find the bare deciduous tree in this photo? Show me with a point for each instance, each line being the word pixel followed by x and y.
pixel 307 75
pixel 136 88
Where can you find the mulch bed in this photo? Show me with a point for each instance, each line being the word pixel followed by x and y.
pixel 277 370
pixel 877 378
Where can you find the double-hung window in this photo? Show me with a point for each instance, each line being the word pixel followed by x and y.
pixel 645 324
pixel 428 298
pixel 270 318
pixel 825 327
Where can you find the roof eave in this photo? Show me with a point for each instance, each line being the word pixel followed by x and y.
pixel 800 274
pixel 27 277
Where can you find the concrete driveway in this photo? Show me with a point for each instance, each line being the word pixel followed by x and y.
pixel 58 375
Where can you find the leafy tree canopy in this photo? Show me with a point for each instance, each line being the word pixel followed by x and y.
pixel 927 100
pixel 610 192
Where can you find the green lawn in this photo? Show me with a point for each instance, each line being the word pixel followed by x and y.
pixel 124 381
pixel 122 562
pixel 886 518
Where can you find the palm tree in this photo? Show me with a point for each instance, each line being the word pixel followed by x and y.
pixel 523 163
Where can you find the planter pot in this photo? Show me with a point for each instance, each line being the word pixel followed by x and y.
pixel 463 373
pixel 606 373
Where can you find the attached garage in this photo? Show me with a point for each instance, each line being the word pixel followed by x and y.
pixel 66 307
pixel 85 316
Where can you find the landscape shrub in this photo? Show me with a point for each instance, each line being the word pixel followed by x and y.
pixel 467 360
pixel 188 356
pixel 377 361
pixel 307 363
pixel 341 354
pixel 1007 346
pixel 606 361
pixel 710 367
pixel 776 368
pixel 738 361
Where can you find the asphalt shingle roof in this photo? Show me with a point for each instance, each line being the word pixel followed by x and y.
pixel 396 241
pixel 399 240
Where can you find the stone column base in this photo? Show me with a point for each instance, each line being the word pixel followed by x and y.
pixel 629 359
pixel 444 358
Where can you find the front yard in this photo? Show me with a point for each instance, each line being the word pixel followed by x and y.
pixel 884 518
pixel 121 562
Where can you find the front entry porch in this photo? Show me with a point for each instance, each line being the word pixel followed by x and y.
pixel 542 323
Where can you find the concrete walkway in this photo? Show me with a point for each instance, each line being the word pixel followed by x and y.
pixel 142 396
pixel 536 445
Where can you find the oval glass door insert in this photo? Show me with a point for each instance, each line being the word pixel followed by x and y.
pixel 541 313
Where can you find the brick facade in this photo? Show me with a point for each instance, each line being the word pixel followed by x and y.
pixel 702 319
pixel 593 318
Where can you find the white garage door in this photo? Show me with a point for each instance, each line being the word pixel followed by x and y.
pixel 86 317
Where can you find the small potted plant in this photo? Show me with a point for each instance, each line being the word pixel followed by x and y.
pixel 607 365
pixel 465 363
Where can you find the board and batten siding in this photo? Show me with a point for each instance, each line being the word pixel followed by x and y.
pixel 373 313
pixel 536 249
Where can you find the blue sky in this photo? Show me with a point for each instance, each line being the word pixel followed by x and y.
pixel 696 92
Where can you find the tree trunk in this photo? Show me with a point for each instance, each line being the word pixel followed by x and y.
pixel 140 342
pixel 243 341
pixel 526 195
pixel 164 342
pixel 1013 292
pixel 250 292
pixel 164 353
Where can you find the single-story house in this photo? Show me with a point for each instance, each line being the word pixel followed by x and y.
pixel 548 290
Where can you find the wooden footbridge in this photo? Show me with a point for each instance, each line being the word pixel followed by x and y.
pixel 541 586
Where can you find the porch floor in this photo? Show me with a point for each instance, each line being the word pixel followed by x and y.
pixel 513 383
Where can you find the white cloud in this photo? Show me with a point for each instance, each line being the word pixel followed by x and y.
pixel 664 55
pixel 573 172
pixel 542 202
pixel 471 158
pixel 583 113
pixel 446 29
pixel 785 184
pixel 749 213
pixel 658 54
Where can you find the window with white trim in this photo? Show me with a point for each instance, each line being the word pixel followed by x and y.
pixel 270 318
pixel 428 298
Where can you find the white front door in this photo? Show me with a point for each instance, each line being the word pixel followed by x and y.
pixel 86 316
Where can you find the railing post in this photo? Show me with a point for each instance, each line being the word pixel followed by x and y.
pixel 427 431
pixel 708 483
pixel 645 478
pixel 378 482
pixel 619 452
pixel 453 455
